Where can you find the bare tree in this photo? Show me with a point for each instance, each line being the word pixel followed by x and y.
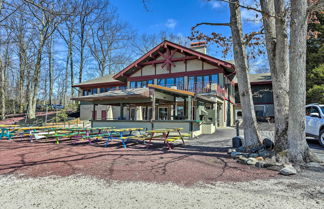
pixel 46 24
pixel 109 39
pixel 87 9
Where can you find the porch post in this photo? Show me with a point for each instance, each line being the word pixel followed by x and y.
pixel 185 112
pixel 174 107
pixel 94 112
pixel 189 108
pixel 121 111
pixel 153 105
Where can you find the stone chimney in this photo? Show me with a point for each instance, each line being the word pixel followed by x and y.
pixel 200 46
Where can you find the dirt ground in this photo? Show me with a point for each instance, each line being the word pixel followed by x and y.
pixel 198 175
pixel 182 165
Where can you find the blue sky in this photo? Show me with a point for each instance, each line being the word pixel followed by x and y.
pixel 178 16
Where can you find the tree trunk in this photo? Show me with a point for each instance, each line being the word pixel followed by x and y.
pixel 50 72
pixel 32 100
pixel 277 50
pixel 251 135
pixel 66 78
pixel 298 148
pixel 71 65
pixel 2 91
pixel 82 46
pixel 22 71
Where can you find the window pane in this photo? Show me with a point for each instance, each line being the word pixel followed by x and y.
pixel 169 82
pixel 150 82
pixel 133 84
pixel 199 83
pixel 206 81
pixel 94 90
pixel 139 84
pixel 144 84
pixel 191 83
pixel 161 82
pixel 179 82
pixel 214 78
pixel 122 87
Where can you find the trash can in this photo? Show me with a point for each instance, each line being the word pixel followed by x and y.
pixel 237 141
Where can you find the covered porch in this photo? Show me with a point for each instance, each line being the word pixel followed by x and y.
pixel 154 107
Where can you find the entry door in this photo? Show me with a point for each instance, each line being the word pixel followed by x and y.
pixel 163 113
pixel 103 115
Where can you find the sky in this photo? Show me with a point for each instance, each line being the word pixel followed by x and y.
pixel 178 17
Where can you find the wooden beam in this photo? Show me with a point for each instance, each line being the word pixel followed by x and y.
pixel 172 60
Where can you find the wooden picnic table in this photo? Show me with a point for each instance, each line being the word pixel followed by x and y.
pixel 165 137
pixel 119 134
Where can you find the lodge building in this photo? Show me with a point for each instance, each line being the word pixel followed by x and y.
pixel 169 86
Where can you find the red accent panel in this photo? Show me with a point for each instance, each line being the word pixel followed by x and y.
pixel 103 115
pixel 188 73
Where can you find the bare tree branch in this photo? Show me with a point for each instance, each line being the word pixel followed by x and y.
pixel 209 23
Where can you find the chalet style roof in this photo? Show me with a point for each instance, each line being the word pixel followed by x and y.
pixel 107 79
pixel 260 78
pixel 157 51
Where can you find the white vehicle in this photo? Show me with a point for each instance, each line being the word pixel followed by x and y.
pixel 315 121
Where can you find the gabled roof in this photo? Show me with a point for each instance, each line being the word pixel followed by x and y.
pixel 149 56
pixel 260 78
pixel 107 79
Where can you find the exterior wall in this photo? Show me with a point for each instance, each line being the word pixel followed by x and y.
pixel 193 65
pixel 86 111
pixel 208 66
pixel 180 67
pixel 148 70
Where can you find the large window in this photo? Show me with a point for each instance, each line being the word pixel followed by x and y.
pixel 140 84
pixel 132 84
pixel 87 92
pixel 191 83
pixel 161 82
pixel 169 82
pixel 179 82
pixel 214 79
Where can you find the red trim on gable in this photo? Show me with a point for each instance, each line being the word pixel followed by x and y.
pixel 182 49
pixel 188 73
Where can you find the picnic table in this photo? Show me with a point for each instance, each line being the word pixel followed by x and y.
pixel 75 133
pixel 164 135
pixel 6 131
pixel 119 135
